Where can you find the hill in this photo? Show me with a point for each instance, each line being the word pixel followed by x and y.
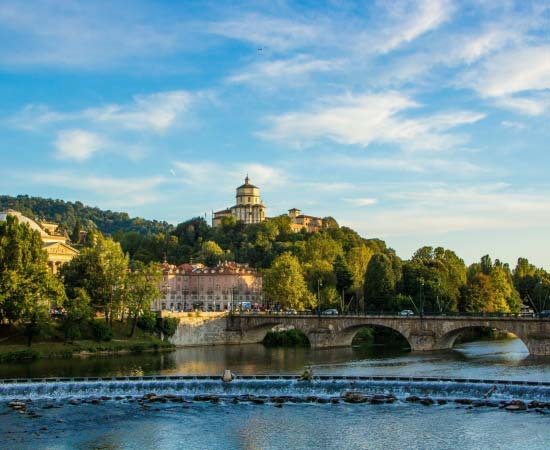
pixel 91 218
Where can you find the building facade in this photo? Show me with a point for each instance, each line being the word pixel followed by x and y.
pixel 299 221
pixel 248 207
pixel 55 243
pixel 226 287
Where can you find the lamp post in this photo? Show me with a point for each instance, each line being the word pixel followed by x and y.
pixel 233 293
pixel 319 284
pixel 421 298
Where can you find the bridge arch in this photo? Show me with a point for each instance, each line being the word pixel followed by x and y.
pixel 448 340
pixel 345 336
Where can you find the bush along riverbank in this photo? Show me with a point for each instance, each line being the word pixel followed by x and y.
pixel 287 338
pixel 96 337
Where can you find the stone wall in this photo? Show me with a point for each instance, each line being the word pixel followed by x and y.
pixel 205 328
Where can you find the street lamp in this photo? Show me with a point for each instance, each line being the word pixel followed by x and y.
pixel 421 297
pixel 319 284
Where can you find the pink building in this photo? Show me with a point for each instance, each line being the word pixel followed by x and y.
pixel 196 287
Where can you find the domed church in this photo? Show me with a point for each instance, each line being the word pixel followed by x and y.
pixel 248 209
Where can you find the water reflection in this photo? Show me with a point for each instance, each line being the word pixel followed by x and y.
pixel 488 359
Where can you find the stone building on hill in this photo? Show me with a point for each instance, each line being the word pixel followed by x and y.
pixel 301 222
pixel 55 243
pixel 225 287
pixel 248 208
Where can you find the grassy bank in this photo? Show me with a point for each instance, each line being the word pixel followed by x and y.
pixel 15 348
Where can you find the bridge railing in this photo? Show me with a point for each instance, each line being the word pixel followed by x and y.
pixel 393 313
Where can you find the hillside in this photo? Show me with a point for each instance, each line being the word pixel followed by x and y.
pixel 66 213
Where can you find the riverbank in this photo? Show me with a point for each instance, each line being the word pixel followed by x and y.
pixel 50 350
pixel 15 348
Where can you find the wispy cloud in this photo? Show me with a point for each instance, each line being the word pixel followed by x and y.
pixel 114 192
pixel 227 176
pixel 295 70
pixel 365 201
pixel 80 34
pixel 77 145
pixel 364 119
pixel 404 162
pixel 443 208
pixel 155 112
pixel 503 75
pixel 407 20
pixel 513 125
pixel 268 32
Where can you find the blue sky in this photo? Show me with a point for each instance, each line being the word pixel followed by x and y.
pixel 419 122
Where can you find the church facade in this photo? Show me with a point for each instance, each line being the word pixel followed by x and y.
pixel 248 208
pixel 54 243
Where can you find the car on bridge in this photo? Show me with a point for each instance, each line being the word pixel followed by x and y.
pixel 406 312
pixel 545 314
pixel 330 312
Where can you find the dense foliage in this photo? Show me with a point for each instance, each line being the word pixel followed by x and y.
pixel 286 338
pixel 98 280
pixel 27 289
pixel 70 215
pixel 334 268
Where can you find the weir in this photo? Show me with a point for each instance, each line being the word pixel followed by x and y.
pixel 59 389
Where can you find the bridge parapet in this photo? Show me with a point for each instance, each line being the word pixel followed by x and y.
pixel 423 334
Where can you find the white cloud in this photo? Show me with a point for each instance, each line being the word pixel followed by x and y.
pixel 268 33
pixel 407 163
pixel 364 119
pixel 77 145
pixel 35 116
pixel 155 112
pixel 82 35
pixel 295 69
pixel 513 125
pixel 407 20
pixel 533 105
pixel 119 192
pixel 440 209
pixel 227 176
pixel 365 201
pixel 511 72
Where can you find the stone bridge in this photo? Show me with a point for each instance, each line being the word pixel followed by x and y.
pixel 427 333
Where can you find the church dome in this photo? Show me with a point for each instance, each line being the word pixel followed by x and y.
pixel 22 219
pixel 247 184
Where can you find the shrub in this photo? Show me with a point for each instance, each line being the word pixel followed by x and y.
pixel 167 326
pixel 20 355
pixel 101 331
pixel 288 338
pixel 147 322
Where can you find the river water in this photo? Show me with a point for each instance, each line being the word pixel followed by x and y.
pixel 127 424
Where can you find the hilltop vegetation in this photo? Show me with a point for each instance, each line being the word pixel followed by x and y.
pixel 66 214
pixel 335 265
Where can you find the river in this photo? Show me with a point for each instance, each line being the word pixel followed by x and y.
pixel 124 424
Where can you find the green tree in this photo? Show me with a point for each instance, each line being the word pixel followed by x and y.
pixel 27 288
pixel 210 253
pixel 478 294
pixel 101 271
pixel 284 284
pixel 143 289
pixel 75 235
pixel 380 282
pixel 77 312
pixel 343 274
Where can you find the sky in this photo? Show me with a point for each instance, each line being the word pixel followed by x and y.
pixel 418 122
